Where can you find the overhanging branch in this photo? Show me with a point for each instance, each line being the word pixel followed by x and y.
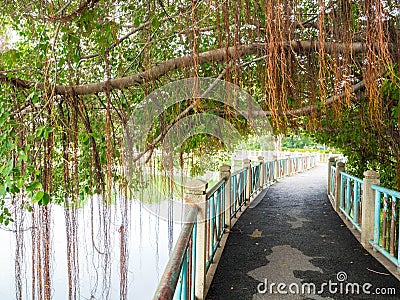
pixel 211 56
pixel 328 102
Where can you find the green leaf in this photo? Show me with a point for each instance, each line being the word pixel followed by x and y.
pixel 38 196
pixel 155 22
pixel 33 186
pixel 22 155
pixel 39 131
pixel 46 132
pixel 45 200
pixel 30 96
pixel 3 190
pixel 136 22
pixel 14 189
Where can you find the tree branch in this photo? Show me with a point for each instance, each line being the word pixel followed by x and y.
pixel 84 6
pixel 310 108
pixel 157 71
pixel 210 56
pixel 16 82
pixel 328 102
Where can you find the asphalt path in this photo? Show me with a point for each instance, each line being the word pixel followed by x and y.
pixel 293 245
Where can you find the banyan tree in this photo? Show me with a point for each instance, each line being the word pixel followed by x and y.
pixel 72 72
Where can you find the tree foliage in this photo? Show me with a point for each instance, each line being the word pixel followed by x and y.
pixel 72 72
pixel 367 145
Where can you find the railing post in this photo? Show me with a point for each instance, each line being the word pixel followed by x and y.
pixel 246 164
pixel 196 192
pixel 368 207
pixel 340 167
pixel 233 163
pixel 225 173
pixel 289 165
pixel 262 171
pixel 330 164
pixel 301 163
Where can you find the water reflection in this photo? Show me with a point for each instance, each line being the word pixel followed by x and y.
pixel 112 252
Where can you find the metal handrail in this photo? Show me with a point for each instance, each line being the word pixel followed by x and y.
pixel 386 191
pixel 167 286
pixel 351 177
pixel 255 172
pixel 215 219
pixel 333 181
pixel 238 191
pixel 351 190
pixel 385 218
pixel 238 172
pixel 212 190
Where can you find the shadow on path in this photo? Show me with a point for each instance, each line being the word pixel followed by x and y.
pixel 294 237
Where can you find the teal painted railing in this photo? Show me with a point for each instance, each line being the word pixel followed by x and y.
pixel 269 174
pixel 255 179
pixel 215 220
pixel 296 164
pixel 351 190
pixel 281 168
pixel 360 200
pixel 238 189
pixel 332 181
pixel 386 223
pixel 178 281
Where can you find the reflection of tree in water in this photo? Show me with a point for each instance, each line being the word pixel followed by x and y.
pixel 125 205
pixel 71 227
pixel 97 237
pixel 170 226
pixel 157 231
pixel 32 232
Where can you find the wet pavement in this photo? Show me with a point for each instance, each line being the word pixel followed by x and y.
pixel 293 245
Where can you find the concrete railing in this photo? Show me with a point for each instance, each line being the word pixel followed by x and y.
pixel 193 262
pixel 373 210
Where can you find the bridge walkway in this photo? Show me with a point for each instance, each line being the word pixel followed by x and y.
pixel 294 238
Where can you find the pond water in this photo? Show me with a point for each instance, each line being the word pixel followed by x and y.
pixel 100 232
